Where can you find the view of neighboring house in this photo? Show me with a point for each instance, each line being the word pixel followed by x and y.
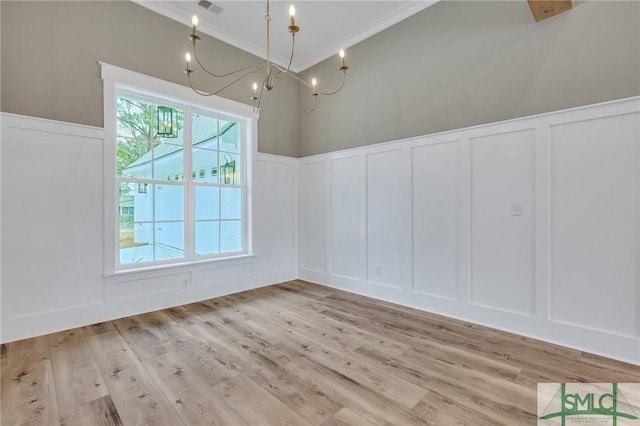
pixel 152 214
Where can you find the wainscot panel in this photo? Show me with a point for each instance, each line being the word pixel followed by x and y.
pixel 594 213
pixel 436 222
pixel 347 208
pixel 53 269
pixel 502 227
pixel 528 225
pixel 314 211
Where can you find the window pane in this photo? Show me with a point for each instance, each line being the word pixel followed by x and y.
pixel 168 162
pixel 230 236
pixel 178 134
pixel 207 203
pixel 138 199
pixel 143 202
pixel 136 119
pixel 205 165
pixel 136 243
pixel 134 158
pixel 230 137
pixel 207 238
pixel 231 203
pixel 126 215
pixel 169 240
pixel 169 202
pixel 205 132
pixel 230 173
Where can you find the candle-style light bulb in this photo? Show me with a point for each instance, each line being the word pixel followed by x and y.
pixel 292 15
pixel 194 22
pixel 314 83
pixel 187 58
pixel 342 56
pixel 253 97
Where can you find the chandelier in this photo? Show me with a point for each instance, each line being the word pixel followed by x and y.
pixel 268 75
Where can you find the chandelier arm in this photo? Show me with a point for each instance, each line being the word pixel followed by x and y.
pixel 278 67
pixel 236 80
pixel 294 76
pixel 293 46
pixel 195 55
pixel 296 98
pixel 200 92
pixel 344 78
pixel 279 70
pixel 282 71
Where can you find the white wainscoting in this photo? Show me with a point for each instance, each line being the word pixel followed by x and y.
pixel 436 232
pixel 347 209
pixel 313 224
pixel 388 218
pixel 529 225
pixel 53 240
pixel 502 229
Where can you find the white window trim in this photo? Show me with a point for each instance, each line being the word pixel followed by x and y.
pixel 119 79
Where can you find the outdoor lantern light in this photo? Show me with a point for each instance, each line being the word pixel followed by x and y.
pixel 228 170
pixel 167 122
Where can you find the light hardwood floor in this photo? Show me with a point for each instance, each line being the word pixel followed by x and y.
pixel 294 353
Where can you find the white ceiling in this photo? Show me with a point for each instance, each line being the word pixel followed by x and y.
pixel 325 26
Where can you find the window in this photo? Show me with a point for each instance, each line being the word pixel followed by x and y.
pixel 177 219
pixel 172 205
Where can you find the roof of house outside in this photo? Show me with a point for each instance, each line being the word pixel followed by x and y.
pixel 204 130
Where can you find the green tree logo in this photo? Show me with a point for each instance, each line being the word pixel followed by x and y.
pixel 565 404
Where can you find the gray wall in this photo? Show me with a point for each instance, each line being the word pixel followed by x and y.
pixel 456 64
pixel 50 53
pixel 462 63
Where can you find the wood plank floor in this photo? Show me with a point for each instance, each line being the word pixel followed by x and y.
pixel 295 354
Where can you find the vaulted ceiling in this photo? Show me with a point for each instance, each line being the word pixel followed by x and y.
pixel 325 26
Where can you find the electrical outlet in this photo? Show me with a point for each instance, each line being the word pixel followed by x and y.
pixel 378 270
pixel 517 208
pixel 186 283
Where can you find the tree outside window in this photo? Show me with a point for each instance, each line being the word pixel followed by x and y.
pixel 162 207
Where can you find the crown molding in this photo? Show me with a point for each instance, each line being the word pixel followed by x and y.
pixel 383 23
pixel 373 28
pixel 179 16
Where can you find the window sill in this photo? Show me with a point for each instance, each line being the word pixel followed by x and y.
pixel 178 265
